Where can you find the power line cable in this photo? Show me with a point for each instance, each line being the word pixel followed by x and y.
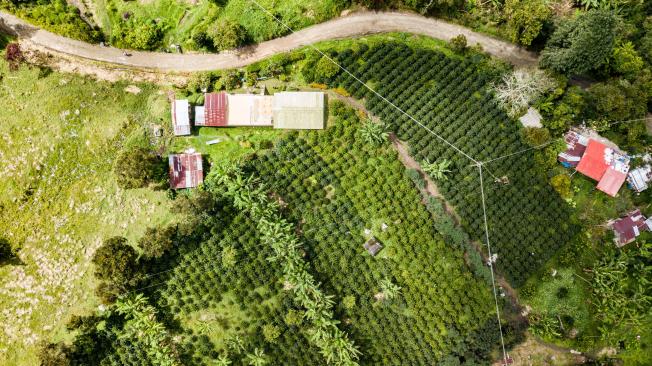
pixel 368 87
pixel 491 265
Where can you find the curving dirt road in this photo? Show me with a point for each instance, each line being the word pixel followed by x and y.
pixel 356 24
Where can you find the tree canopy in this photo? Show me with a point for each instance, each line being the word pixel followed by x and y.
pixel 581 44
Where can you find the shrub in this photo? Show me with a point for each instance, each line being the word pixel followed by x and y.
pixel 581 44
pixel 525 19
pixel 458 44
pixel 326 69
pixel 115 267
pixel 137 33
pixel 6 251
pixel 14 55
pixel 626 60
pixel 156 241
pixel 138 167
pixel 562 184
pixel 226 34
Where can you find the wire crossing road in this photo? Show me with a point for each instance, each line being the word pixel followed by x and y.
pixel 356 24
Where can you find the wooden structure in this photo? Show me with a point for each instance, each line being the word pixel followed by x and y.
pixel 373 246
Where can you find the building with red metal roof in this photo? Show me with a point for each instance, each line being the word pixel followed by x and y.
pixel 186 170
pixel 593 163
pixel 627 228
pixel 214 112
pixel 596 160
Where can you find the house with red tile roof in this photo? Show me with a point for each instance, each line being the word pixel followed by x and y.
pixel 186 170
pixel 627 228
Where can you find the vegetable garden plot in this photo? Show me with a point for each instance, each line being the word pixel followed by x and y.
pixel 336 187
pixel 450 96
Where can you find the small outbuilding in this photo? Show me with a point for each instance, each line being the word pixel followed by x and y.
pixel 186 170
pixel 639 179
pixel 181 117
pixel 373 246
pixel 299 110
pixel 627 228
pixel 532 118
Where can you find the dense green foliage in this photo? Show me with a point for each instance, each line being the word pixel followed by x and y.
pixel 226 34
pixel 525 19
pixel 54 15
pixel 137 167
pixel 139 34
pixel 581 44
pixel 450 96
pixel 251 197
pixel 337 187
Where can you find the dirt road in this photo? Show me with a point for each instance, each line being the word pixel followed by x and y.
pixel 356 24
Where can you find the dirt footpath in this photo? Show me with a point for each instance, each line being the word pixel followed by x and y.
pixel 356 24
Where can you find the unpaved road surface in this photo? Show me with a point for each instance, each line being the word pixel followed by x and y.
pixel 356 24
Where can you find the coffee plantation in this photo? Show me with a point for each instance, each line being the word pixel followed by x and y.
pixel 451 97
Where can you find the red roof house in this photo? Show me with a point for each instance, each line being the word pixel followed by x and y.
pixel 186 170
pixel 627 228
pixel 604 164
pixel 593 163
pixel 214 111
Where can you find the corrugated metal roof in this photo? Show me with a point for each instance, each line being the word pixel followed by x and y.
pixel 215 109
pixel 627 228
pixel 249 110
pixel 593 162
pixel 299 110
pixel 181 117
pixel 611 182
pixel 186 170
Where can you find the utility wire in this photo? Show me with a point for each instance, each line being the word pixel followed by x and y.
pixel 491 265
pixel 368 87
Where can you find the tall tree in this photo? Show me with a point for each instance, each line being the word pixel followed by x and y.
pixel 581 44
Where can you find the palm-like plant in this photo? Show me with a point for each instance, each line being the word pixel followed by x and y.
pixel 222 361
pixel 257 358
pixel 389 289
pixel 438 169
pixel 374 133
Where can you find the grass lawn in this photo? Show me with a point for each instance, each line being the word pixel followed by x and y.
pixel 58 197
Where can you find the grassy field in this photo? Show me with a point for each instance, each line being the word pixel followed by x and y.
pixel 182 18
pixel 58 195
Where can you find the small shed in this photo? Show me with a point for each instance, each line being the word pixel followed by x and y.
pixel 575 147
pixel 627 228
pixel 639 179
pixel 373 246
pixel 532 118
pixel 299 110
pixel 186 170
pixel 181 117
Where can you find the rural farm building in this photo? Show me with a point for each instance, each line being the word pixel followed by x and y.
pixel 627 228
pixel 181 117
pixel 214 111
pixel 186 170
pixel 299 110
pixel 597 161
pixel 249 110
pixel 640 178
pixel 286 110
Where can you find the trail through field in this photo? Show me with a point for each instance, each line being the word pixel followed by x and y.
pixel 356 24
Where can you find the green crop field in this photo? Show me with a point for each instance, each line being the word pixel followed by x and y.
pixel 450 96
